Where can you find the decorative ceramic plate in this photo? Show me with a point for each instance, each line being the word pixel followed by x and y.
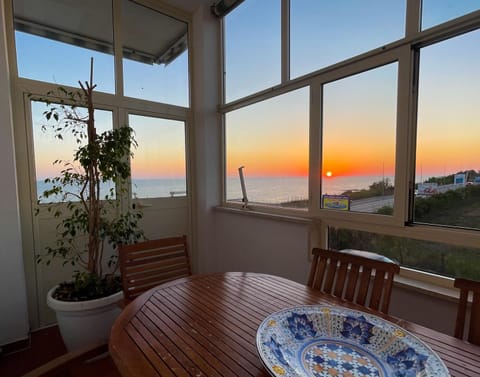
pixel 327 341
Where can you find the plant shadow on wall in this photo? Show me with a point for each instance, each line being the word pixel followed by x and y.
pixel 89 212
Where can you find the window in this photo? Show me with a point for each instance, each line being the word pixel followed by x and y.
pixel 448 135
pixel 359 124
pixel 56 39
pixel 155 64
pixel 393 123
pixel 326 32
pixel 434 257
pixel 158 164
pixel 270 139
pixel 435 12
pixel 252 48
pixel 49 149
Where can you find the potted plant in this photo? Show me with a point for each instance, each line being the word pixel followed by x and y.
pixel 90 217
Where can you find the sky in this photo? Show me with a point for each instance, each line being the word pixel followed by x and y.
pixel 161 152
pixel 359 123
pixel 359 112
pixel 271 138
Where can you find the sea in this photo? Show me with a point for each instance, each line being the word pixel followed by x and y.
pixel 272 190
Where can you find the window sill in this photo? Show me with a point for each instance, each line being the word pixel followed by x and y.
pixel 279 215
pixel 427 284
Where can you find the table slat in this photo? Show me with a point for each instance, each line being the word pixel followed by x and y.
pixel 205 325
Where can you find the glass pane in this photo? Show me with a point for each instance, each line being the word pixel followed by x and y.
pixel 55 40
pixel 326 32
pixel 359 122
pixel 270 139
pixel 158 164
pixel 448 135
pixel 155 64
pixel 435 12
pixel 49 149
pixel 252 48
pixel 435 257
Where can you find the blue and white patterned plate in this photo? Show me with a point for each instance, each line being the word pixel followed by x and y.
pixel 327 341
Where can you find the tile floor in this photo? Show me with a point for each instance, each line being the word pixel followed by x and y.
pixel 45 345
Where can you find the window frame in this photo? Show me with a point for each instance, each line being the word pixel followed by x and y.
pixel 125 114
pixel 22 88
pixel 117 102
pixel 396 55
pixel 406 52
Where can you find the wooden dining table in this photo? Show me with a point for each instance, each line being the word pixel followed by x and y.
pixel 206 325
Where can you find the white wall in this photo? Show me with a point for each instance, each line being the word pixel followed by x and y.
pixel 13 307
pixel 428 310
pixel 205 151
pixel 253 244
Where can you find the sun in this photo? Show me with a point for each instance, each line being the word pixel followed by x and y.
pixel 329 174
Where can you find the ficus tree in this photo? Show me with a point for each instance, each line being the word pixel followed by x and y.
pixel 84 196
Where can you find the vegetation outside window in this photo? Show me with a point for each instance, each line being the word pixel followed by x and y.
pixel 447 190
pixel 434 257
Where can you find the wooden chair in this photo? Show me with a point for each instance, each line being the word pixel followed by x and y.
pixel 147 264
pixel 348 274
pixel 90 361
pixel 466 286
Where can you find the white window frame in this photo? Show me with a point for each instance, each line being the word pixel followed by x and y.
pixel 115 102
pixel 405 52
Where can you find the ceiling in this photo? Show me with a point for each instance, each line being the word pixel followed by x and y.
pixel 88 24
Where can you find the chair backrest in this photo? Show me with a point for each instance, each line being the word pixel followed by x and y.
pixel 465 287
pixel 144 265
pixel 357 276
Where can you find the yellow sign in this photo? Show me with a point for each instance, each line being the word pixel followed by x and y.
pixel 338 202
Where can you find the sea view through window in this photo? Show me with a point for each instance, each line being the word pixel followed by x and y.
pixel 141 188
pixel 282 190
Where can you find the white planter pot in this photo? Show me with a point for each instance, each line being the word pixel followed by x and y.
pixel 83 323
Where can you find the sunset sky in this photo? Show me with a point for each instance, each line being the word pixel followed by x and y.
pixel 359 119
pixel 161 152
pixel 271 138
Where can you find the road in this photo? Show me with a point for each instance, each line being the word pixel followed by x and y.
pixel 371 204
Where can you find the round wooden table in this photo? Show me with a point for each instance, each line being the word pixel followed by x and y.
pixel 205 325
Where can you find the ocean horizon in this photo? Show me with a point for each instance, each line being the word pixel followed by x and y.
pixel 271 190
pixel 276 190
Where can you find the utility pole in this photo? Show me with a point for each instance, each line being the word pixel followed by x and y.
pixel 383 178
